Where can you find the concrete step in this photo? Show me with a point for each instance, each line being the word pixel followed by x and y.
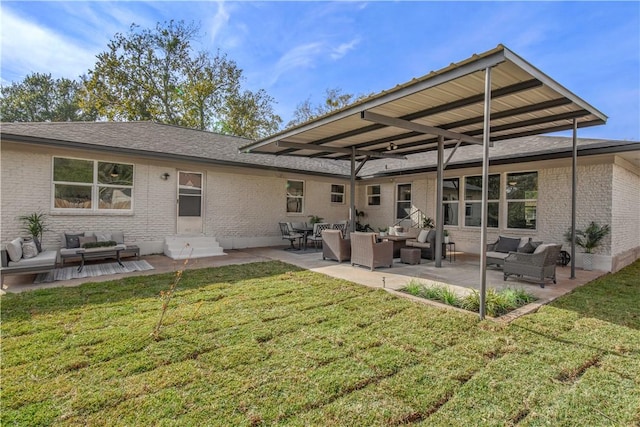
pixel 183 247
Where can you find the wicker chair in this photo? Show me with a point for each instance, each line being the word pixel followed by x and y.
pixel 367 252
pixel 541 264
pixel 334 246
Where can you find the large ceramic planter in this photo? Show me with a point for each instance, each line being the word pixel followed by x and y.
pixel 587 261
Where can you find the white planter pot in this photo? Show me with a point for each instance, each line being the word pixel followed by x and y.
pixel 587 261
pixel 446 239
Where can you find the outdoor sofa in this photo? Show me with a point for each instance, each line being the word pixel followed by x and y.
pixel 20 256
pixel 72 242
pixel 500 249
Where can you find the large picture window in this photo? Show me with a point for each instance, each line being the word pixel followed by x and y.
pixel 337 193
pixel 403 202
pixel 473 201
pixel 450 200
pixel 92 185
pixel 522 200
pixel 373 195
pixel 295 196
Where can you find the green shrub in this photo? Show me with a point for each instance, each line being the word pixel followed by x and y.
pixel 106 244
pixel 497 302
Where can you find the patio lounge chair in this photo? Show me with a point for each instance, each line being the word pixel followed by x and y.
pixel 541 264
pixel 289 235
pixel 366 251
pixel 334 246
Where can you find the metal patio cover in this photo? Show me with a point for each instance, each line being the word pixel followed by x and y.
pixel 524 101
pixel 490 97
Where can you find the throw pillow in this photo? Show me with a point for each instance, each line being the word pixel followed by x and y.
pixel 527 248
pixel 29 249
pixel 72 240
pixel 118 237
pixel 422 237
pixel 87 239
pixel 542 247
pixel 392 231
pixel 507 244
pixel 103 237
pixel 14 249
pixel 431 237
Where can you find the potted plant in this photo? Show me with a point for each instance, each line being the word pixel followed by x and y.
pixel 35 225
pixel 445 233
pixel 315 219
pixel 589 240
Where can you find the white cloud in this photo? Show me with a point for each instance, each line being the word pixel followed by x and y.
pixel 343 49
pixel 27 48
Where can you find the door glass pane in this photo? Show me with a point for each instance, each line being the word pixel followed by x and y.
pixel 189 205
pixel 190 180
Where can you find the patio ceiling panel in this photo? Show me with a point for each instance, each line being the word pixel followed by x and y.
pixel 524 102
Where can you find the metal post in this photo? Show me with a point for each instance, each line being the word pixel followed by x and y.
pixel 437 251
pixel 485 191
pixel 574 187
pixel 352 207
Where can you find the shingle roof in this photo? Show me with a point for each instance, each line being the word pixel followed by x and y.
pixel 166 141
pixel 156 139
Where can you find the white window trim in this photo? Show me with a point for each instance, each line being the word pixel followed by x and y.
pixel 369 196
pixel 410 201
pixel 288 196
pixel 501 219
pixel 333 193
pixel 95 189
pixel 507 201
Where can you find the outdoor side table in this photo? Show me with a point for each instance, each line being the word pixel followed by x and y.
pixel 410 255
pixel 451 249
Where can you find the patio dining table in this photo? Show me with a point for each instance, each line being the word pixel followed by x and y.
pixel 306 231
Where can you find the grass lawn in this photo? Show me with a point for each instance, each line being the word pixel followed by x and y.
pixel 268 343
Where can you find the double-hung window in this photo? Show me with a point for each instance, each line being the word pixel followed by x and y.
pixel 450 200
pixel 522 200
pixel 403 202
pixel 373 195
pixel 473 201
pixel 295 196
pixel 337 193
pixel 92 185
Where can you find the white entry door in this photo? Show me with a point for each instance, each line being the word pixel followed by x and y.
pixel 190 186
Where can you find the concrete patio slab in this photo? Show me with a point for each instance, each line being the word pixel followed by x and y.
pixel 462 275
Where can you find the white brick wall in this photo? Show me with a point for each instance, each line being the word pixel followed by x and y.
pixel 625 229
pixel 243 206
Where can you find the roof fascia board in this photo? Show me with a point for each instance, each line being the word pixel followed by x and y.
pixel 156 155
pixel 482 63
pixel 405 124
pixel 345 150
pixel 506 160
pixel 548 81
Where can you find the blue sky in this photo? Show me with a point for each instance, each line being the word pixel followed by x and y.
pixel 296 50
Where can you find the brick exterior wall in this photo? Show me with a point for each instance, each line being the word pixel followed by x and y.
pixel 243 206
pixel 625 229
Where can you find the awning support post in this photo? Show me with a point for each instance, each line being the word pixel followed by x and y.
pixel 574 185
pixel 352 194
pixel 437 251
pixel 485 191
